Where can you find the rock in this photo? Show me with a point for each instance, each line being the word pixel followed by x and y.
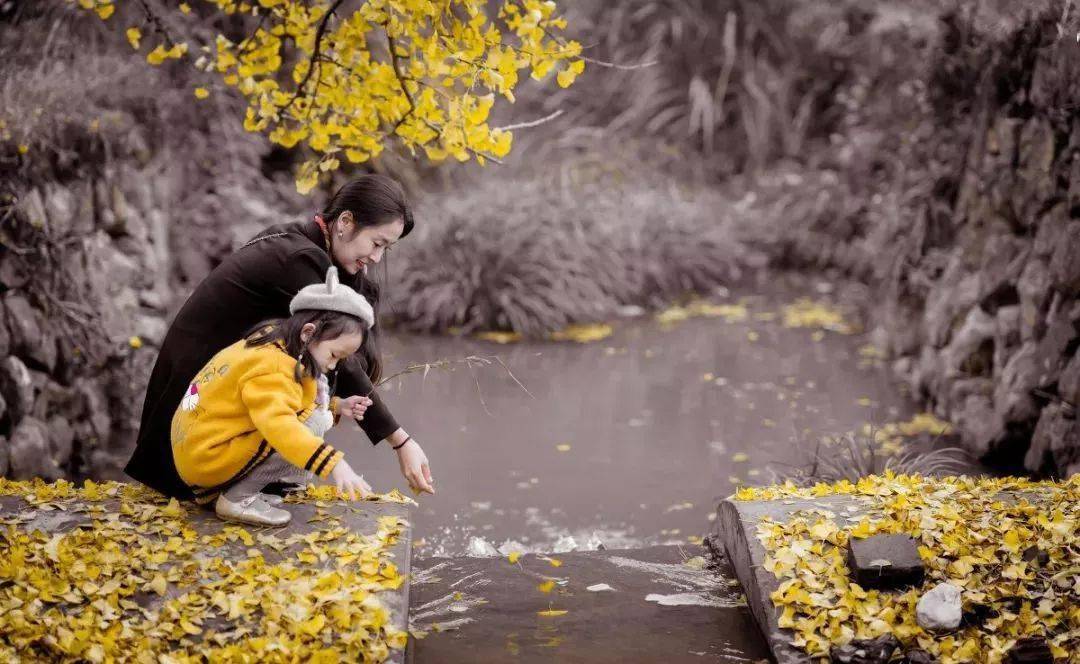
pixel 872 651
pixel 1055 445
pixel 1069 382
pixel 33 206
pixel 1031 651
pixel 5 335
pixel 153 299
pixel 1034 291
pixel 61 439
pixel 1002 262
pixel 970 351
pixel 22 322
pixel 60 208
pixel 1065 263
pixel 481 548
pixel 956 293
pixel 1012 397
pixel 94 410
pixel 884 561
pixel 980 426
pixel 917 656
pixel 17 387
pixel 151 329
pixel 1006 336
pixel 1051 231
pixel 940 608
pixel 4 453
pixel 30 454
pixel 14 272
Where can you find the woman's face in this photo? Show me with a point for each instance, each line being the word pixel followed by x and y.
pixel 356 248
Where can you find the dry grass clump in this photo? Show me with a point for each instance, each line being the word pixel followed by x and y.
pixel 853 457
pixel 533 255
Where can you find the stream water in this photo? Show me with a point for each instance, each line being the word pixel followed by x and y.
pixel 625 442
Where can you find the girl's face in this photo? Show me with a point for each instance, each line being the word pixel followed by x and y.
pixel 356 248
pixel 328 352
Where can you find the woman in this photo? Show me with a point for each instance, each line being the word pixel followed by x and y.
pixel 254 284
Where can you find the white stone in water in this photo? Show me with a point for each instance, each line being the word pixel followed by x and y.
pixel 940 608
pixel 599 587
pixel 565 543
pixel 481 548
pixel 511 546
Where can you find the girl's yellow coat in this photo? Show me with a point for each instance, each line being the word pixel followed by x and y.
pixel 242 407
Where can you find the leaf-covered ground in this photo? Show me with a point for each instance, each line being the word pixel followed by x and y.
pixel 980 534
pixel 114 572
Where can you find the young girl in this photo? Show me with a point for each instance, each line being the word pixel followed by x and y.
pixel 257 412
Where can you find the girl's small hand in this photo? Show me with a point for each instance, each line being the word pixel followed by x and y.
pixel 348 482
pixel 354 407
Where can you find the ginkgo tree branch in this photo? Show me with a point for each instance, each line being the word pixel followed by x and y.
pixel 313 60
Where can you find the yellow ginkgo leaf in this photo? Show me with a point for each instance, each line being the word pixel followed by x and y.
pixel 552 613
pixel 546 586
pixel 513 557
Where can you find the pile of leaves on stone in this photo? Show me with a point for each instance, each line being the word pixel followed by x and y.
pixel 140 582
pixel 980 534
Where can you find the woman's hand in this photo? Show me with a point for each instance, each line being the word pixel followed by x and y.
pixel 414 466
pixel 348 482
pixel 354 407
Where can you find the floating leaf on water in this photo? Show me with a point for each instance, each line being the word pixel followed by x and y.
pixel 552 613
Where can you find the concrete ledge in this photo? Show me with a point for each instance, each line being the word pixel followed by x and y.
pixel 188 544
pixel 737 523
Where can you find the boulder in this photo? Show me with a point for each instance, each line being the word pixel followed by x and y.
pixel 940 608
pixel 5 451
pixel 1003 260
pixel 1033 289
pixel 94 410
pixel 1069 382
pixel 30 452
pixel 1051 231
pixel 60 208
pixel 61 439
pixel 1065 263
pixel 1006 335
pixel 151 329
pixel 980 425
pixel 1055 445
pixel 970 351
pixel 17 387
pixel 955 293
pixel 5 335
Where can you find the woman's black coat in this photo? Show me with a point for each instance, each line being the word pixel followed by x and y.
pixel 252 285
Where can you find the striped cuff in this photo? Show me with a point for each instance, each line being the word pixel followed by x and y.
pixel 323 460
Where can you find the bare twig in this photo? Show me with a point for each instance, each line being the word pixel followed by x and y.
pixel 533 123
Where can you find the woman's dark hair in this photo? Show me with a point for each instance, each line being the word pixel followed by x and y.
pixel 328 325
pixel 373 200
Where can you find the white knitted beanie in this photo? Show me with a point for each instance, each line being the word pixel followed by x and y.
pixel 333 296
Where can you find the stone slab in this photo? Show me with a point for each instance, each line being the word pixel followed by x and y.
pixel 659 609
pixel 737 529
pixel 360 517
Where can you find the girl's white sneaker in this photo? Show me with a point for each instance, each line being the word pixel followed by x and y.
pixel 252 510
pixel 272 499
